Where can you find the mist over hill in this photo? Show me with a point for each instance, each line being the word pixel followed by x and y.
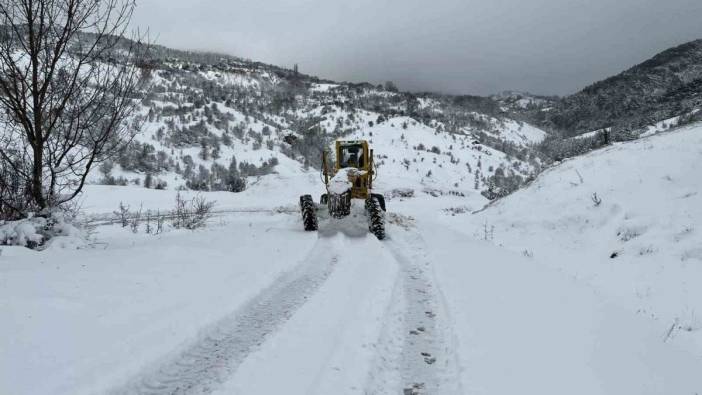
pixel 665 86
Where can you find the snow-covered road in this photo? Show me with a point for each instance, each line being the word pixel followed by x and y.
pixel 223 346
pixel 355 316
pixel 427 360
pixel 427 311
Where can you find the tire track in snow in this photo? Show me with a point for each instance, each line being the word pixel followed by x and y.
pixel 419 331
pixel 203 365
pixel 329 346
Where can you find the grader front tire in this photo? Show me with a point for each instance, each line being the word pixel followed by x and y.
pixel 309 214
pixel 376 217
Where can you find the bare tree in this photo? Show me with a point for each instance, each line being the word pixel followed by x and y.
pixel 67 86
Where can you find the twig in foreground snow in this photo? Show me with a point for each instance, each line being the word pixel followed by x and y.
pixel 596 199
pixel 670 331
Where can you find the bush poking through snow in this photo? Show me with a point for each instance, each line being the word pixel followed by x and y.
pixel 401 193
pixel 488 232
pixel 135 220
pixel 123 214
pixel 191 214
pixel 149 229
pixel 188 214
pixel 629 233
pixel 160 219
pixel 596 200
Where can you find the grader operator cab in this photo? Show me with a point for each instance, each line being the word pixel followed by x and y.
pixel 351 177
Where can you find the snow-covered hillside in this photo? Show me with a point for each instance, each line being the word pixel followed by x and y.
pixel 627 214
pixel 662 87
pixel 213 126
pixel 624 222
pixel 519 101
pixel 414 155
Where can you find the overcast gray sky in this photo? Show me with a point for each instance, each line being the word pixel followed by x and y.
pixel 455 46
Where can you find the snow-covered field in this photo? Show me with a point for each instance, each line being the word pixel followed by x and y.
pixel 624 220
pixel 544 292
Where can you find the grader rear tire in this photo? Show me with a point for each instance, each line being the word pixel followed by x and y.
pixel 308 211
pixel 376 217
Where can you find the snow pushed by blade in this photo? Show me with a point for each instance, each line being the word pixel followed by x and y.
pixel 353 225
pixel 341 183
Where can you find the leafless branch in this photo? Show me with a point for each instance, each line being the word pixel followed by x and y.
pixel 68 83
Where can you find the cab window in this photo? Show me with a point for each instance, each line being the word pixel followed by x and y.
pixel 352 156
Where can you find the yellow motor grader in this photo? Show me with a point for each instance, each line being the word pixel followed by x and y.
pixel 351 177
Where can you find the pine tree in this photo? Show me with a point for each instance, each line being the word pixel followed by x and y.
pixel 204 150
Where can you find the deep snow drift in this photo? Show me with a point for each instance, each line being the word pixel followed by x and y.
pixel 626 220
pixel 622 225
pixel 550 291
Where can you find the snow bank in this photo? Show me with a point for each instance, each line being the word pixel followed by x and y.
pixel 36 232
pixel 22 233
pixel 264 193
pixel 624 220
pixel 523 327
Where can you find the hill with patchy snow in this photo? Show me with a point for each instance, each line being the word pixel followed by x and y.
pixel 217 123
